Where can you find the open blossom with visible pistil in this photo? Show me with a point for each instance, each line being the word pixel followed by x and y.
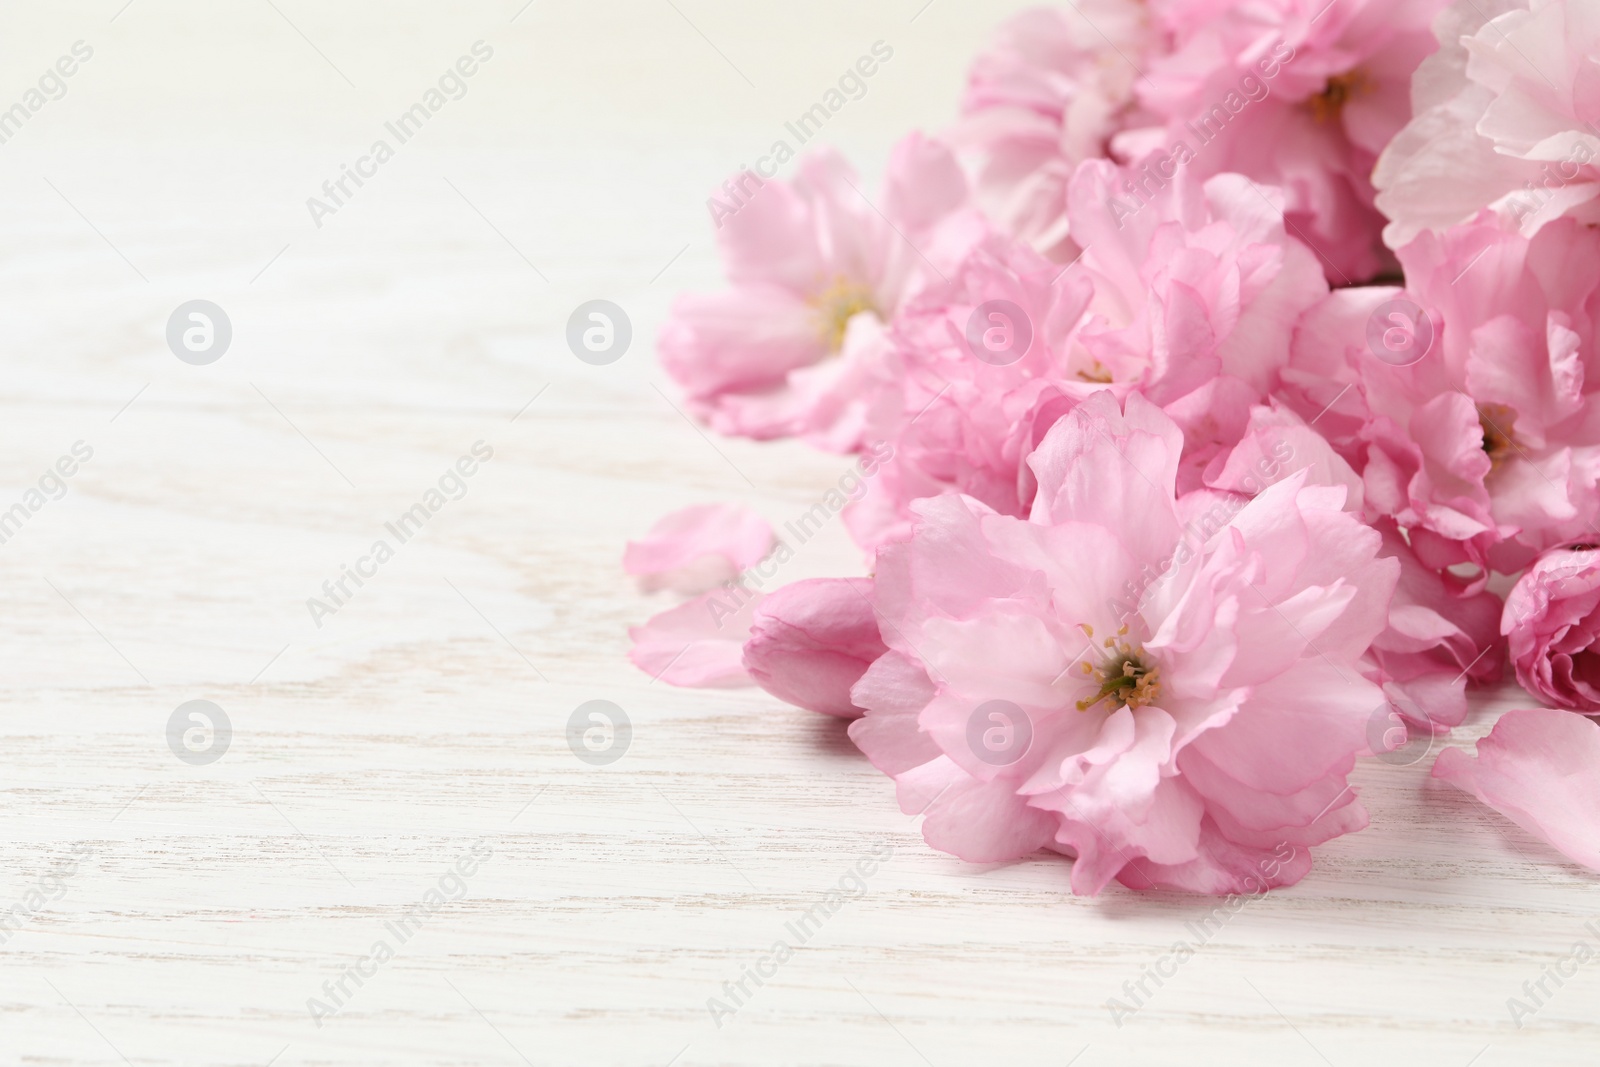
pixel 817 273
pixel 1176 738
pixel 1174 514
pixel 1192 302
pixel 1487 448
pixel 1299 94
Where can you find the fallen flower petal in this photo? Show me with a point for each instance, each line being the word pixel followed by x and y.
pixel 1540 768
pixel 698 643
pixel 695 548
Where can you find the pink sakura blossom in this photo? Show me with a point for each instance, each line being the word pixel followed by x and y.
pixel 1299 94
pixel 812 640
pixel 1163 528
pixel 1196 296
pixel 1437 639
pixel 697 547
pixel 1541 769
pixel 982 364
pixel 1506 119
pixel 1197 734
pixel 1049 92
pixel 817 272
pixel 1192 301
pixel 1486 447
pixel 1553 624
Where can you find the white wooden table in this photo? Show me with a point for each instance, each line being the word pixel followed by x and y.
pixel 427 716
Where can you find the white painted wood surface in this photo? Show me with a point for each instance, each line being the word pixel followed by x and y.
pixel 209 903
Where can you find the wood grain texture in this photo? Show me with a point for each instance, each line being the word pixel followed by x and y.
pixel 370 754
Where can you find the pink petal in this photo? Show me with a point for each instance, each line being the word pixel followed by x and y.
pixel 745 339
pixel 1539 768
pixel 1223 867
pixel 893 691
pixel 980 822
pixel 699 643
pixel 924 183
pixel 811 641
pixel 698 547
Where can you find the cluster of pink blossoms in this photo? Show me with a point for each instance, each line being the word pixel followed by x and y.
pixel 1218 398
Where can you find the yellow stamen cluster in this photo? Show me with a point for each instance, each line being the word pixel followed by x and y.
pixel 1123 679
pixel 836 305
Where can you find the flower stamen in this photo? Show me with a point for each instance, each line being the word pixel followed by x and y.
pixel 837 305
pixel 1125 681
pixel 1098 374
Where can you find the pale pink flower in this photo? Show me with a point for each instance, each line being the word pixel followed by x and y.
pixel 1192 301
pixel 1090 680
pixel 1506 119
pixel 1277 442
pixel 1437 639
pixel 970 412
pixel 1299 94
pixel 1048 93
pixel 695 548
pixel 1539 768
pixel 1552 619
pixel 1487 447
pixel 812 640
pixel 817 272
pixel 1196 297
